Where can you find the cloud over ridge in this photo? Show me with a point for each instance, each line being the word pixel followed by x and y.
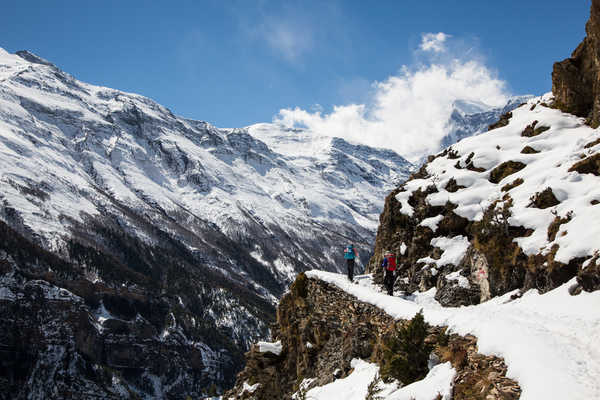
pixel 408 112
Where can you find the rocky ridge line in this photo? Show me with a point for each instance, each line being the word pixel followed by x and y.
pixel 322 328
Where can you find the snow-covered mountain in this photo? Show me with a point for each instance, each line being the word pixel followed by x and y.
pixel 168 231
pixel 470 118
pixel 166 223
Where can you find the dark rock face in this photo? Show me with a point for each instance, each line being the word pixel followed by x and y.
pixel 322 328
pixel 503 121
pixel 505 169
pixel 67 334
pixel 576 80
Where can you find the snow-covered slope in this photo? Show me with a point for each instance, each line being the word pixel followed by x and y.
pixel 71 150
pixel 549 342
pixel 516 164
pixel 217 221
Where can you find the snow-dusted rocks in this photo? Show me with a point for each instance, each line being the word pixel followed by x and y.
pixel 519 199
pixel 363 381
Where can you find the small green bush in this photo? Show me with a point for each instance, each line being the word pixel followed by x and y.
pixel 406 354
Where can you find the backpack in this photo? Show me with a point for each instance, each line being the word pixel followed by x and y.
pixel 390 262
pixel 349 253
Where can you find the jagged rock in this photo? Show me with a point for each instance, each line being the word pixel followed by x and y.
pixel 529 150
pixel 588 278
pixel 532 130
pixel 452 294
pixel 503 121
pixel 544 199
pixel 576 80
pixel 512 185
pixel 452 186
pixel 62 336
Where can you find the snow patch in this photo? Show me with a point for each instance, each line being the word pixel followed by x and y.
pixel 432 223
pixel 270 347
pixel 356 385
pixel 457 277
pixel 249 388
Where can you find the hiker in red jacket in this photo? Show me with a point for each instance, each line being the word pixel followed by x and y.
pixel 389 265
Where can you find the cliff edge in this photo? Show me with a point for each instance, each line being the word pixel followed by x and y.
pixel 576 80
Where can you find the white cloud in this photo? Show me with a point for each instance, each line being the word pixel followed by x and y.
pixel 407 112
pixel 434 42
pixel 290 39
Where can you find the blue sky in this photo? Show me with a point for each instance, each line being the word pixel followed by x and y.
pixel 234 63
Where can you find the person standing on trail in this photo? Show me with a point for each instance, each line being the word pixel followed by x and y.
pixel 350 254
pixel 389 266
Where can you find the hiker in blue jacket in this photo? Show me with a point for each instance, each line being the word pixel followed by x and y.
pixel 350 254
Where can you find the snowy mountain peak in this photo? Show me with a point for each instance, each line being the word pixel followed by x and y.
pixel 470 106
pixel 32 58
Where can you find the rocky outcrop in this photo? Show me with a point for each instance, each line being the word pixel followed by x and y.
pixel 430 212
pixel 576 80
pixel 322 328
pixel 493 265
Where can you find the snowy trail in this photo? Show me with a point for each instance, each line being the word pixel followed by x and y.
pixel 550 342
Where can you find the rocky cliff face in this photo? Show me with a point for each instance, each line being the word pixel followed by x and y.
pixel 494 213
pixel 321 329
pixel 576 80
pixel 64 334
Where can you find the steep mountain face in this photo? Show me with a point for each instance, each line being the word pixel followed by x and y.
pixel 171 234
pixel 510 209
pixel 65 333
pixel 576 80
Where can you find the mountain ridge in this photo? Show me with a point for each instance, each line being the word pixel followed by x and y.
pixel 171 233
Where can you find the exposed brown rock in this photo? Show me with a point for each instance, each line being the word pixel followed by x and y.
pixel 576 80
pixel 589 165
pixel 503 121
pixel 555 225
pixel 589 278
pixel 544 199
pixel 592 144
pixel 452 186
pixel 505 169
pixel 529 150
pixel 532 130
pixel 512 185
